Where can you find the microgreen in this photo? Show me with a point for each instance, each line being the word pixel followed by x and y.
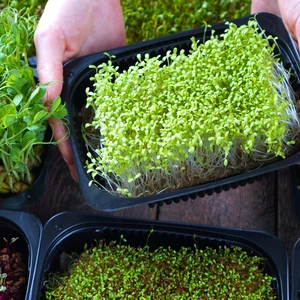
pixel 116 271
pixel 181 119
pixel 145 20
pixel 23 116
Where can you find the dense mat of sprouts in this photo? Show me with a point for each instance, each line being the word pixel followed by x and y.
pixel 146 19
pixel 113 271
pixel 184 119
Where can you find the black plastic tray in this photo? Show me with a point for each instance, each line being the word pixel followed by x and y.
pixel 76 78
pixel 69 232
pixel 34 191
pixel 295 190
pixel 28 229
pixel 295 293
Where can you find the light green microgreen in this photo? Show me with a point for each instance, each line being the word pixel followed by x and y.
pixel 184 118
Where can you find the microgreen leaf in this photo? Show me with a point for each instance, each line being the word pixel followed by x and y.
pixel 58 111
pixel 40 117
pixel 8 109
pixel 28 138
pixel 55 104
pixel 17 99
pixel 16 154
pixel 8 120
pixel 37 94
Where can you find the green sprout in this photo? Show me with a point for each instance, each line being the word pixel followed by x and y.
pixel 116 271
pixel 23 116
pixel 187 118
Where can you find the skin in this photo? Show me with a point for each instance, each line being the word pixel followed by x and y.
pixel 288 10
pixel 67 29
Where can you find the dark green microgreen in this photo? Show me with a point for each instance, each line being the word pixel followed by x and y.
pixel 23 116
pixel 146 20
pixel 118 271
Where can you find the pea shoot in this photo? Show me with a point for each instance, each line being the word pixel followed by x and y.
pixel 23 116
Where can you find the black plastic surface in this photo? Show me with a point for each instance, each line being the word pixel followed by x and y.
pixel 295 190
pixel 28 229
pixel 295 293
pixel 69 232
pixel 76 79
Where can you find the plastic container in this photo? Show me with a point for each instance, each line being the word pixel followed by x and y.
pixel 67 233
pixel 28 229
pixel 295 190
pixel 77 77
pixel 34 191
pixel 295 293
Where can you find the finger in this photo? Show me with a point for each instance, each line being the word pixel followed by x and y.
pixel 60 135
pixel 290 11
pixel 49 52
pixel 265 6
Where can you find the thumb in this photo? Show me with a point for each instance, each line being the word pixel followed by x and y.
pixel 265 6
pixel 290 12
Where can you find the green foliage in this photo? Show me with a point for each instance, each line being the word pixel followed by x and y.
pixel 122 272
pixel 23 116
pixel 174 121
pixel 31 5
pixel 150 19
pixel 34 9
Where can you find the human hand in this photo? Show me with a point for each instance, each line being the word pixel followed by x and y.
pixel 288 10
pixel 67 29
